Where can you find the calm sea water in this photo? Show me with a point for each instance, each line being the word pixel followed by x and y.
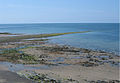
pixel 104 36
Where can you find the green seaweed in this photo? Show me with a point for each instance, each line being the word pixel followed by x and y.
pixel 6 33
pixel 13 55
pixel 18 38
pixel 45 78
pixel 38 40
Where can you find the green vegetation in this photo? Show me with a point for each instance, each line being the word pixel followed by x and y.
pixel 38 40
pixel 39 78
pixel 42 78
pixel 45 78
pixel 8 51
pixel 13 55
pixel 6 33
pixel 26 57
pixel 18 38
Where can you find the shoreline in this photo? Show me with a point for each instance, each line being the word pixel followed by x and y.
pixel 59 63
pixel 5 36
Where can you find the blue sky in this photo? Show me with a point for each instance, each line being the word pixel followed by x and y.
pixel 59 11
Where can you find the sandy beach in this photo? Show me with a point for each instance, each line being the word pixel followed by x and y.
pixel 26 61
pixel 59 41
pixel 7 76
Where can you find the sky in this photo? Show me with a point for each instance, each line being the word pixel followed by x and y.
pixel 59 11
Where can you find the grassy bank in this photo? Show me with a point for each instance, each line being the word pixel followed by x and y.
pixel 18 38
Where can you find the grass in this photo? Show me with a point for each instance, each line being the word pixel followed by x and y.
pixel 18 38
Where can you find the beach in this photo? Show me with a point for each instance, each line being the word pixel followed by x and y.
pixel 37 60
pixel 59 41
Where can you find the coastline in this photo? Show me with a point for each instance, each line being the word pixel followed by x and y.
pixel 64 63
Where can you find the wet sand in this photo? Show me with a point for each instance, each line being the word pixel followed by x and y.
pixel 83 74
pixel 7 76
pixel 72 65
pixel 56 63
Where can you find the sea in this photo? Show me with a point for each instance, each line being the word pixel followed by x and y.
pixel 103 36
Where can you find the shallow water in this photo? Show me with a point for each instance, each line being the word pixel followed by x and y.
pixel 18 67
pixel 104 36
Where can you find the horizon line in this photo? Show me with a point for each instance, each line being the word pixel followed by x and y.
pixel 58 22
